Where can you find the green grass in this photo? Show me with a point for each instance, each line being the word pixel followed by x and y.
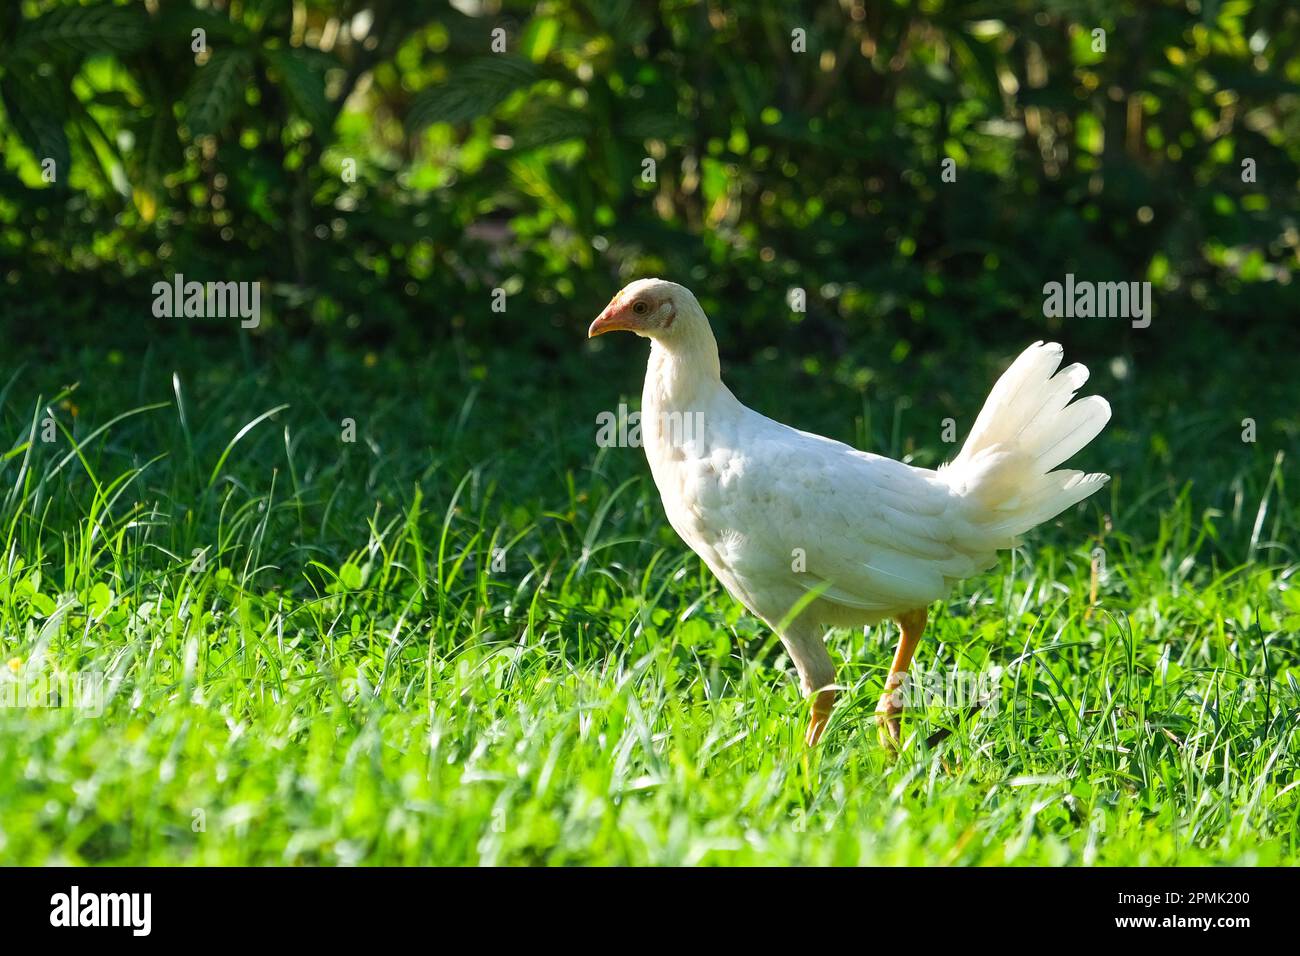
pixel 346 678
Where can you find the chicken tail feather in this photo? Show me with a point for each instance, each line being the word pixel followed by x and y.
pixel 1027 427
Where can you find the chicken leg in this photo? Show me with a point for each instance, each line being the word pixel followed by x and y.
pixel 803 642
pixel 888 725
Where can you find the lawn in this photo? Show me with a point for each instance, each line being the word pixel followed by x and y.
pixel 469 636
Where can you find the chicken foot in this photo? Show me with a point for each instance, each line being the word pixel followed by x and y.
pixel 888 724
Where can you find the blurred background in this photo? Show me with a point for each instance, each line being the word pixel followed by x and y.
pixel 381 167
pixel 523 169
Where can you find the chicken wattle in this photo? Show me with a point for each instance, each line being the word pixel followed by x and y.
pixel 809 533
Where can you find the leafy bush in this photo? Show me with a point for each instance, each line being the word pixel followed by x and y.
pixel 793 145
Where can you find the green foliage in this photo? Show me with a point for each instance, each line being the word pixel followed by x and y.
pixel 70 32
pixel 217 89
pixel 476 88
pixel 34 110
pixel 776 165
pixel 303 77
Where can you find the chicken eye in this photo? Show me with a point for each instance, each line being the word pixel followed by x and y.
pixel 641 307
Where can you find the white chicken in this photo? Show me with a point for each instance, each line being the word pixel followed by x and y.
pixel 809 533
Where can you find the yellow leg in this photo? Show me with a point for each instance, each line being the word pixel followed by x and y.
pixel 888 725
pixel 821 715
pixel 803 642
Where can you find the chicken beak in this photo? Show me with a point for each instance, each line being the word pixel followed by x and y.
pixel 613 319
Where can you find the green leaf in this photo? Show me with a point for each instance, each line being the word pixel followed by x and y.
pixel 159 147
pixel 979 65
pixel 350 576
pixel 472 92
pixel 212 479
pixel 112 99
pixel 304 82
pixel 539 38
pixel 178 24
pixel 550 123
pixel 76 31
pixel 217 88
pixel 650 123
pixel 623 21
pixel 37 115
pixel 101 599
